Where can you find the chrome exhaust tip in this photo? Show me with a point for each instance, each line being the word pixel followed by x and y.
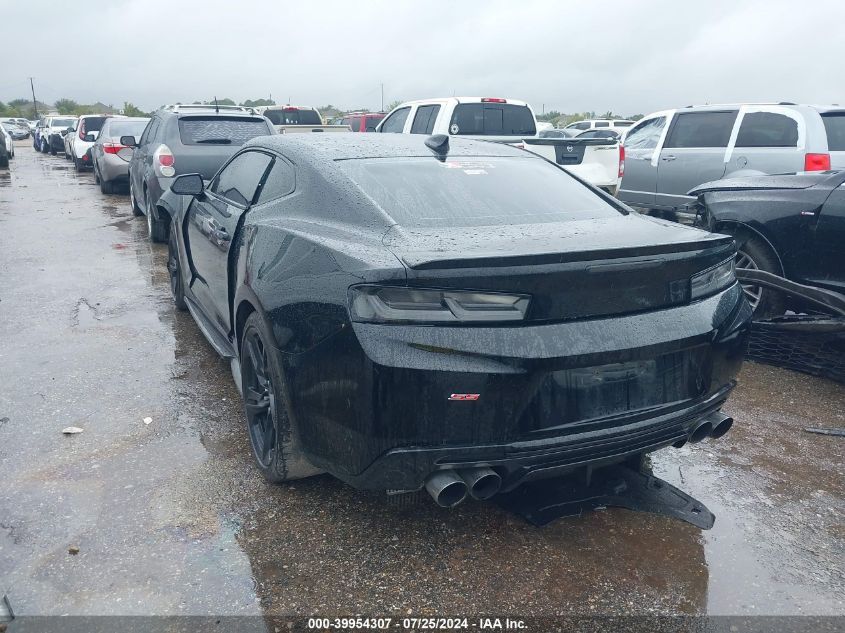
pixel 446 488
pixel 701 432
pixel 721 425
pixel 483 482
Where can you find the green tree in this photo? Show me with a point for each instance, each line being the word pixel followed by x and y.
pixel 551 115
pixel 392 105
pixel 66 106
pixel 130 109
pixel 257 103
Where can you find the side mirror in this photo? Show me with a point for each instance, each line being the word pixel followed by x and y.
pixel 188 185
pixel 90 137
pixel 69 130
pixel 128 141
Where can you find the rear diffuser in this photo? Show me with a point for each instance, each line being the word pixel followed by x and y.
pixel 542 502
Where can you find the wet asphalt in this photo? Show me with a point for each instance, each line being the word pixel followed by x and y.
pixel 170 517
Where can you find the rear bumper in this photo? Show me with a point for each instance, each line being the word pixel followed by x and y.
pixel 113 168
pixel 521 462
pixel 372 403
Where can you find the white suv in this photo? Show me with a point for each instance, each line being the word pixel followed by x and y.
pixel 486 118
pixel 87 129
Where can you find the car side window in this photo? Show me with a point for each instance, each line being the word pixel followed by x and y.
pixel 424 119
pixel 701 129
pixel 645 135
pixel 150 131
pixel 238 181
pixel 395 123
pixel 767 129
pixel 602 124
pixel 280 182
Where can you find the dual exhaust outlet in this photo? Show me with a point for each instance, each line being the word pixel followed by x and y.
pixel 713 426
pixel 448 488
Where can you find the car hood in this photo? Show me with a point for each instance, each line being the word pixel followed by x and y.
pixel 555 242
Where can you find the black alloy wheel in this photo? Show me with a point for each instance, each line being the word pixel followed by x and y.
pixel 259 400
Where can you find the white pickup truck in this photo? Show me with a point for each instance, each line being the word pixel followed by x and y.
pixel 599 161
pixel 484 118
pixel 289 119
pixel 596 160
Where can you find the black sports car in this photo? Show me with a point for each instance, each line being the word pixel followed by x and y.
pixel 404 311
pixel 791 225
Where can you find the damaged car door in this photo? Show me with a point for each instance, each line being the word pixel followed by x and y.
pixel 212 221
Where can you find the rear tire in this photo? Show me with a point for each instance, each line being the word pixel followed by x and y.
pixel 753 252
pixel 106 186
pixel 274 440
pixel 174 268
pixel 156 228
pixel 136 210
pixel 77 164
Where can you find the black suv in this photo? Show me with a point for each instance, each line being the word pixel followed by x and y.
pixel 182 139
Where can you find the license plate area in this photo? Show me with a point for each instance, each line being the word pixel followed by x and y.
pixel 569 154
pixel 603 396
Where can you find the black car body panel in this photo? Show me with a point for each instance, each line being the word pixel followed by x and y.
pixel 802 217
pixel 612 358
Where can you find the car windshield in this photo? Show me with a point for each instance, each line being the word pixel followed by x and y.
pixel 474 191
pixel 63 122
pixel 127 128
pixel 834 124
pixel 220 130
pixel 293 116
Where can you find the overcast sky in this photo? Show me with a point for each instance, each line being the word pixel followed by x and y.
pixel 630 57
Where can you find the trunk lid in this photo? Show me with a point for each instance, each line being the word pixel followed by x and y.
pixel 577 269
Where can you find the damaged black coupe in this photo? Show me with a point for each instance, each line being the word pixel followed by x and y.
pixel 405 312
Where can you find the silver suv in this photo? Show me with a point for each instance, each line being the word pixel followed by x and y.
pixel 669 153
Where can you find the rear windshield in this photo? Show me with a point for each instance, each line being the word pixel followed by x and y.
pixel 293 117
pixel 835 126
pixel 220 130
pixel 93 123
pixel 127 128
pixel 492 119
pixel 66 123
pixel 474 191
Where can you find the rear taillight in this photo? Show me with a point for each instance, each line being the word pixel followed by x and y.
pixel 82 131
pixel 399 304
pixel 163 161
pixel 621 160
pixel 493 100
pixel 816 162
pixel 113 148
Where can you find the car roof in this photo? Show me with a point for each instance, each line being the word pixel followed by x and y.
pixel 316 148
pixel 457 100
pixel 199 112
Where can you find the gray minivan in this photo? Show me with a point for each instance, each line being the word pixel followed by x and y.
pixel 668 153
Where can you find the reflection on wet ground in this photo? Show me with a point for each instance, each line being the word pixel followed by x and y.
pixel 170 517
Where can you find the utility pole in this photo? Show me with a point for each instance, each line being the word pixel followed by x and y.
pixel 34 102
pixel 382 98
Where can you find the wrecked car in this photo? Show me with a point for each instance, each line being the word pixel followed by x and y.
pixel 789 225
pixel 403 311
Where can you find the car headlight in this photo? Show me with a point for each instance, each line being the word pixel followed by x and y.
pixel 395 304
pixel 713 279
